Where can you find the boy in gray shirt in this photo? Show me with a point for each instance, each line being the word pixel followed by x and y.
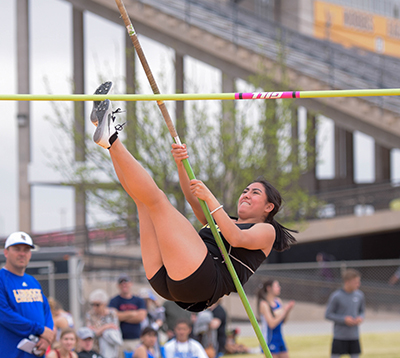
pixel 346 308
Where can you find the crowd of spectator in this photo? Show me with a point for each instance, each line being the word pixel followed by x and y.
pixel 130 326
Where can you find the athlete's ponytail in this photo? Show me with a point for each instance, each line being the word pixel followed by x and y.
pixel 283 239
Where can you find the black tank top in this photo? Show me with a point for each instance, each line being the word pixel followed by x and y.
pixel 244 261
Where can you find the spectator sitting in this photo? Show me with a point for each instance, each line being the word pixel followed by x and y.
pixel 104 322
pixel 219 312
pixel 155 313
pixel 67 345
pixel 231 346
pixel 205 331
pixel 174 313
pixel 182 345
pixel 85 343
pixel 147 349
pixel 62 319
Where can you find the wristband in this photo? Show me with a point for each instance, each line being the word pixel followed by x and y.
pixel 219 207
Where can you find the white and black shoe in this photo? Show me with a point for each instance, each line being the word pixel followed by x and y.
pixel 105 133
pixel 104 88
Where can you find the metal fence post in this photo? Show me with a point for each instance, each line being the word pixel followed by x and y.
pixel 74 271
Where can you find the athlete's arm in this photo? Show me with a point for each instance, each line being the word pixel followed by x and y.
pixel 272 320
pixel 179 153
pixel 331 310
pixel 259 237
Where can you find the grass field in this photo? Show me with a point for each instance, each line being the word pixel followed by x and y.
pixel 373 345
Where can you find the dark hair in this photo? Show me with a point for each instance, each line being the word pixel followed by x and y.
pixel 283 238
pixel 148 330
pixel 183 320
pixel 263 290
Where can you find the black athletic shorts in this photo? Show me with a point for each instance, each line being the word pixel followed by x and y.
pixel 194 293
pixel 346 347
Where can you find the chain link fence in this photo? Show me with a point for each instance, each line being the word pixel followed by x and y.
pixel 314 282
pixel 307 283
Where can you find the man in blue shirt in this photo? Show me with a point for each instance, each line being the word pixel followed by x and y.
pixel 24 309
pixel 131 312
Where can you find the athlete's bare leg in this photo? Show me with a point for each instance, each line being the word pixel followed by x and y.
pixel 181 249
pixel 151 255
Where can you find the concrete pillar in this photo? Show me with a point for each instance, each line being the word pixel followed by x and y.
pixel 310 177
pixel 23 116
pixel 349 158
pixel 344 157
pixel 382 174
pixel 295 135
pixel 130 130
pixel 382 164
pixel 278 11
pixel 79 83
pixel 228 131
pixel 297 15
pixel 130 69
pixel 180 122
pixel 180 88
pixel 228 86
pixel 79 121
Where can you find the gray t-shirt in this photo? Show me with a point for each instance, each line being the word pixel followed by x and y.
pixel 340 305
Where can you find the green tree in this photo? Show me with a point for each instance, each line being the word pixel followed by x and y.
pixel 226 151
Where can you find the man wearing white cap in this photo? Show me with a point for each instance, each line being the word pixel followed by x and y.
pixel 24 309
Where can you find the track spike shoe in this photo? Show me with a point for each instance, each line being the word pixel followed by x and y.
pixel 104 88
pixel 105 129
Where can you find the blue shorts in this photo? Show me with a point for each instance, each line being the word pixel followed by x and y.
pixel 277 345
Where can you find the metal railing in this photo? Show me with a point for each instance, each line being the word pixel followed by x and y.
pixel 313 282
pixel 330 63
pixel 338 202
pixel 376 196
pixel 310 283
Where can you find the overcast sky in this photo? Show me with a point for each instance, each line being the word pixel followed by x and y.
pixel 51 58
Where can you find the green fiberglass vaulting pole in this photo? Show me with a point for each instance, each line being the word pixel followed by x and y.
pixel 238 285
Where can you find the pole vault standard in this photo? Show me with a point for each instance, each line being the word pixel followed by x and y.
pixel 202 96
pixel 211 223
